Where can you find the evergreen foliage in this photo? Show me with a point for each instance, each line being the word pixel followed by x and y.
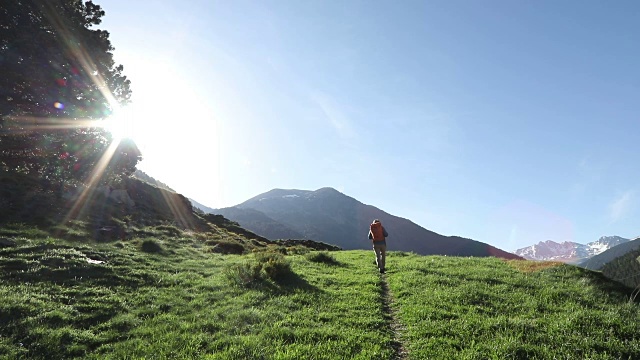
pixel 59 80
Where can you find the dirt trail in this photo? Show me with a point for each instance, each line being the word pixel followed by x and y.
pixel 392 320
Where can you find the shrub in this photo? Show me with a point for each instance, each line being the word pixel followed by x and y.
pixel 298 250
pixel 265 266
pixel 321 257
pixel 244 274
pixel 225 247
pixel 151 246
pixel 274 265
pixel 169 230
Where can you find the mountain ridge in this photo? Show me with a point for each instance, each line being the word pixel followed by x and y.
pixel 569 251
pixel 596 262
pixel 330 216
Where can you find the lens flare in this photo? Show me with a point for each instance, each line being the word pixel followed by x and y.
pixel 120 124
pixel 58 105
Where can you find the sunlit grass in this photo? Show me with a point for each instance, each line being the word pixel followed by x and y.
pixel 486 308
pixel 179 303
pixel 180 300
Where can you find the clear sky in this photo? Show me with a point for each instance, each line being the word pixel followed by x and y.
pixel 509 122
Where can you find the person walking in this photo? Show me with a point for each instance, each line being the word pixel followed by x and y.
pixel 378 234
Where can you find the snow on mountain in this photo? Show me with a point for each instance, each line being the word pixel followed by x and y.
pixel 569 251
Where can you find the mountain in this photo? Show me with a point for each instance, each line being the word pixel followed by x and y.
pixel 329 216
pixel 141 175
pixel 250 218
pixel 205 209
pixel 625 268
pixel 131 208
pixel 598 261
pixel 568 251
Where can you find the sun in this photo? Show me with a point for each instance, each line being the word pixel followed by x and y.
pixel 170 119
pixel 121 124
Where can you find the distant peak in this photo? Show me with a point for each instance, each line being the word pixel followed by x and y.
pixel 327 189
pixel 281 192
pixel 611 237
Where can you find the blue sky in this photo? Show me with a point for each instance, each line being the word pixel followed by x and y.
pixel 509 122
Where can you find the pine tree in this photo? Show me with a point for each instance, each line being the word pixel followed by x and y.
pixel 58 81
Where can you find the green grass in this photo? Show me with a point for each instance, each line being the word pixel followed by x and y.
pixel 486 308
pixel 185 302
pixel 179 303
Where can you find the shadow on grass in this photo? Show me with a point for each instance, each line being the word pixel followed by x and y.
pixel 336 263
pixel 554 272
pixel 285 285
pixel 323 257
pixel 59 264
pixel 293 282
pixel 596 278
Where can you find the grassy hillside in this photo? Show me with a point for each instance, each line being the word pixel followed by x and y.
pixel 625 269
pixel 171 297
pixel 167 295
pixel 482 308
pixel 598 261
pixel 25 199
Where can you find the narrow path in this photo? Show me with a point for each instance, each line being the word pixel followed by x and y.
pixel 392 320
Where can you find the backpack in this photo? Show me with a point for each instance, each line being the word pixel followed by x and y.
pixel 377 231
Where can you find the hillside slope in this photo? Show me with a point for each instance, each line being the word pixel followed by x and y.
pixel 329 216
pixel 598 261
pixel 63 300
pixel 259 222
pixel 29 200
pixel 128 210
pixel 473 308
pixel 625 269
pixel 166 282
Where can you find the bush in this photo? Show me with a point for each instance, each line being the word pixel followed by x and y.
pixel 151 246
pixel 169 230
pixel 298 250
pixel 265 266
pixel 244 274
pixel 274 265
pixel 321 257
pixel 225 247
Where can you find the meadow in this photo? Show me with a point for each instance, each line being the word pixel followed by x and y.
pixel 169 295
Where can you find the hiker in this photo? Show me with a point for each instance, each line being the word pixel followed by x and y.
pixel 377 234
